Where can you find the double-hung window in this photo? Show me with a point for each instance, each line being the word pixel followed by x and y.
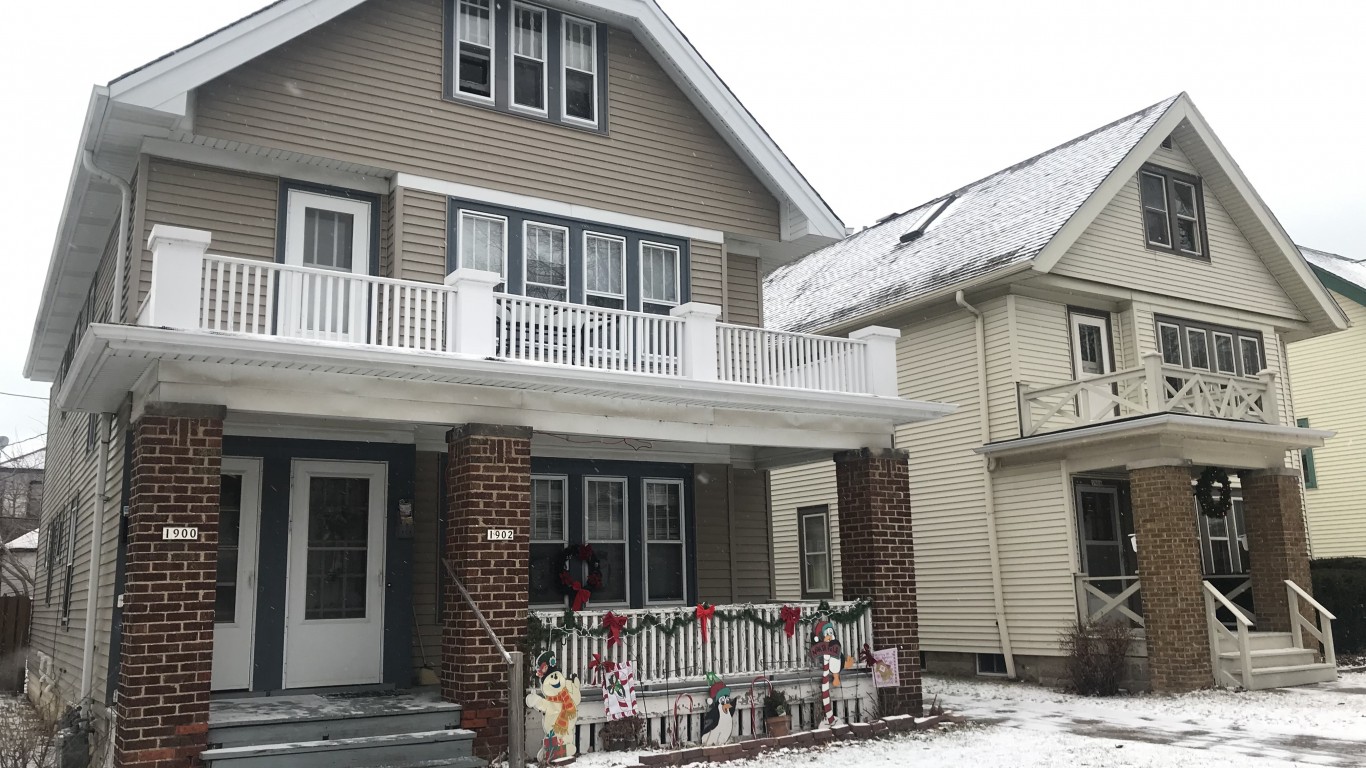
pixel 604 508
pixel 1173 212
pixel 659 277
pixel 483 242
pixel 546 260
pixel 474 48
pixel 813 528
pixel 528 58
pixel 549 515
pixel 580 84
pixel 604 266
pixel 664 551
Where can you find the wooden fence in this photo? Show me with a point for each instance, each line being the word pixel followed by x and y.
pixel 15 612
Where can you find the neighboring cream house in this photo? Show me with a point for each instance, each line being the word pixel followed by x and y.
pixel 1326 398
pixel 18 564
pixel 1111 317
pixel 354 302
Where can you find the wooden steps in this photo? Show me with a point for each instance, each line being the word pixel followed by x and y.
pixel 1276 662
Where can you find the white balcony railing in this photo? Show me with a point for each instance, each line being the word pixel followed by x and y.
pixel 194 290
pixel 1154 388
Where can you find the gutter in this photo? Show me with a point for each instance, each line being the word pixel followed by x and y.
pixel 989 490
pixel 125 203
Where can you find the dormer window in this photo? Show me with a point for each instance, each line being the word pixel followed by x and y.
pixel 1173 212
pixel 527 60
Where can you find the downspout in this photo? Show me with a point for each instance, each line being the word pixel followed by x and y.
pixel 106 430
pixel 989 497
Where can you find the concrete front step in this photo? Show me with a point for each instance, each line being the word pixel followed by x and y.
pixel 1259 641
pixel 1285 677
pixel 1272 657
pixel 429 748
pixel 242 722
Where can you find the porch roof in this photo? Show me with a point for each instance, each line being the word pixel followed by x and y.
pixel 1161 438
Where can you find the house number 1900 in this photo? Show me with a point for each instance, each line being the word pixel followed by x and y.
pixel 173 533
pixel 500 534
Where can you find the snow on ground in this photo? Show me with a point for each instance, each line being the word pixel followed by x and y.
pixel 1017 725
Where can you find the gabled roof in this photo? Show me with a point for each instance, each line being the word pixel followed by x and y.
pixel 153 100
pixel 1024 217
pixel 1344 276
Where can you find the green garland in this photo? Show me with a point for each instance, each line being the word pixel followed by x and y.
pixel 541 635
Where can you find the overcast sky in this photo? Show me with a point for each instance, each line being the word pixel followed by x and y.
pixel 883 105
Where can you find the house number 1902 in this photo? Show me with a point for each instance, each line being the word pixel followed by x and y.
pixel 500 534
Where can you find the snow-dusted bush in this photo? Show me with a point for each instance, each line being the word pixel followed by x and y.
pixel 1096 653
pixel 26 740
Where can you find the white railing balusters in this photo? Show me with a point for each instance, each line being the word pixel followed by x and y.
pixel 778 358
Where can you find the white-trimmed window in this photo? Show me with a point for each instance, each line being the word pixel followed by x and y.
pixel 659 265
pixel 483 242
pixel 604 270
pixel 604 527
pixel 665 558
pixel 580 79
pixel 549 517
pixel 1208 347
pixel 1173 211
pixel 528 58
pixel 545 251
pixel 1225 358
pixel 1156 222
pixel 474 48
pixel 1187 213
pixel 1197 347
pixel 1251 355
pixel 813 528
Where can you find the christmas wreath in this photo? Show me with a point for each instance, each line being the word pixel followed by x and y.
pixel 1204 492
pixel 580 591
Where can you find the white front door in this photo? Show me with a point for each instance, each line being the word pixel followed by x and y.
pixel 334 614
pixel 1091 358
pixel 330 237
pixel 234 618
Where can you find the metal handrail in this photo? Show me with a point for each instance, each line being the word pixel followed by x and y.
pixel 516 683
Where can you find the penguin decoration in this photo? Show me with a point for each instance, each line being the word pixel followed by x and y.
pixel 718 722
pixel 832 660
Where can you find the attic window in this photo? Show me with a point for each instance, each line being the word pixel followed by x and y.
pixel 1173 211
pixel 1167 142
pixel 928 217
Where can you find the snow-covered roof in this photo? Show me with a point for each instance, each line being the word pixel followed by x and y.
pixel 1001 221
pixel 27 541
pixel 1350 271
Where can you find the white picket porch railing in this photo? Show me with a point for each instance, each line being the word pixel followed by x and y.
pixel 734 649
pixel 1154 388
pixel 194 290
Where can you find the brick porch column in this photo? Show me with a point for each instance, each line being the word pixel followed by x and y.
pixel 1169 572
pixel 488 485
pixel 879 562
pixel 166 659
pixel 1277 544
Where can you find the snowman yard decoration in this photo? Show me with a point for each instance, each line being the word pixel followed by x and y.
pixel 558 704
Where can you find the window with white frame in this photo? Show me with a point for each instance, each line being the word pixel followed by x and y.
pixel 604 511
pixel 658 277
pixel 813 527
pixel 474 48
pixel 545 250
pixel 1209 347
pixel 483 242
pixel 528 57
pixel 604 265
pixel 665 577
pixel 549 514
pixel 1173 211
pixel 580 85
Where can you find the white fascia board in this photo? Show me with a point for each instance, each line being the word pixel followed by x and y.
pixel 1174 423
pixel 555 207
pixel 669 42
pixel 52 298
pixel 162 84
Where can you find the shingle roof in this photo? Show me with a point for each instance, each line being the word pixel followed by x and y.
pixel 1351 270
pixel 1001 221
pixel 25 542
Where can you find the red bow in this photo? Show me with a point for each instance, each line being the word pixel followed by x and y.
pixel 866 654
pixel 614 624
pixel 581 595
pixel 600 666
pixel 704 614
pixel 790 615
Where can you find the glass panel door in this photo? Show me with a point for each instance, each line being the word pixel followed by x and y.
pixel 1091 358
pixel 239 511
pixel 330 237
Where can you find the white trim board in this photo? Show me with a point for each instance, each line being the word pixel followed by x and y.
pixel 554 207
pixel 263 165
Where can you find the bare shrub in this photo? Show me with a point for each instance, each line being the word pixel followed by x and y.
pixel 1096 655
pixel 26 740
pixel 624 734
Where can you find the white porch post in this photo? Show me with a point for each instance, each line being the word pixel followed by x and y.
pixel 1154 382
pixel 471 313
pixel 880 359
pixel 177 276
pixel 1270 403
pixel 699 339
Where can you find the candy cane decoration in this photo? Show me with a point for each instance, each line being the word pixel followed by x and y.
pixel 826 650
pixel 754 705
pixel 678 738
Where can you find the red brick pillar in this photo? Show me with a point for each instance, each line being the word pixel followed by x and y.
pixel 1169 572
pixel 488 485
pixel 878 561
pixel 1277 544
pixel 166 660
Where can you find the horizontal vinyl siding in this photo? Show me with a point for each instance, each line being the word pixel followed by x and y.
pixel 238 209
pixel 426 564
pixel 937 361
pixel 422 239
pixel 742 287
pixel 711 488
pixel 707 273
pixel 750 562
pixel 1112 251
pixel 1033 540
pixel 1327 372
pixel 1042 342
pixel 791 488
pixel 367 88
pixel 1002 400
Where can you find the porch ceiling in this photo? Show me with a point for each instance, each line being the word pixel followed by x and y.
pixel 1163 437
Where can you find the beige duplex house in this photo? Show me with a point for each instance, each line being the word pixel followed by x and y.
pixel 1334 499
pixel 1112 317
